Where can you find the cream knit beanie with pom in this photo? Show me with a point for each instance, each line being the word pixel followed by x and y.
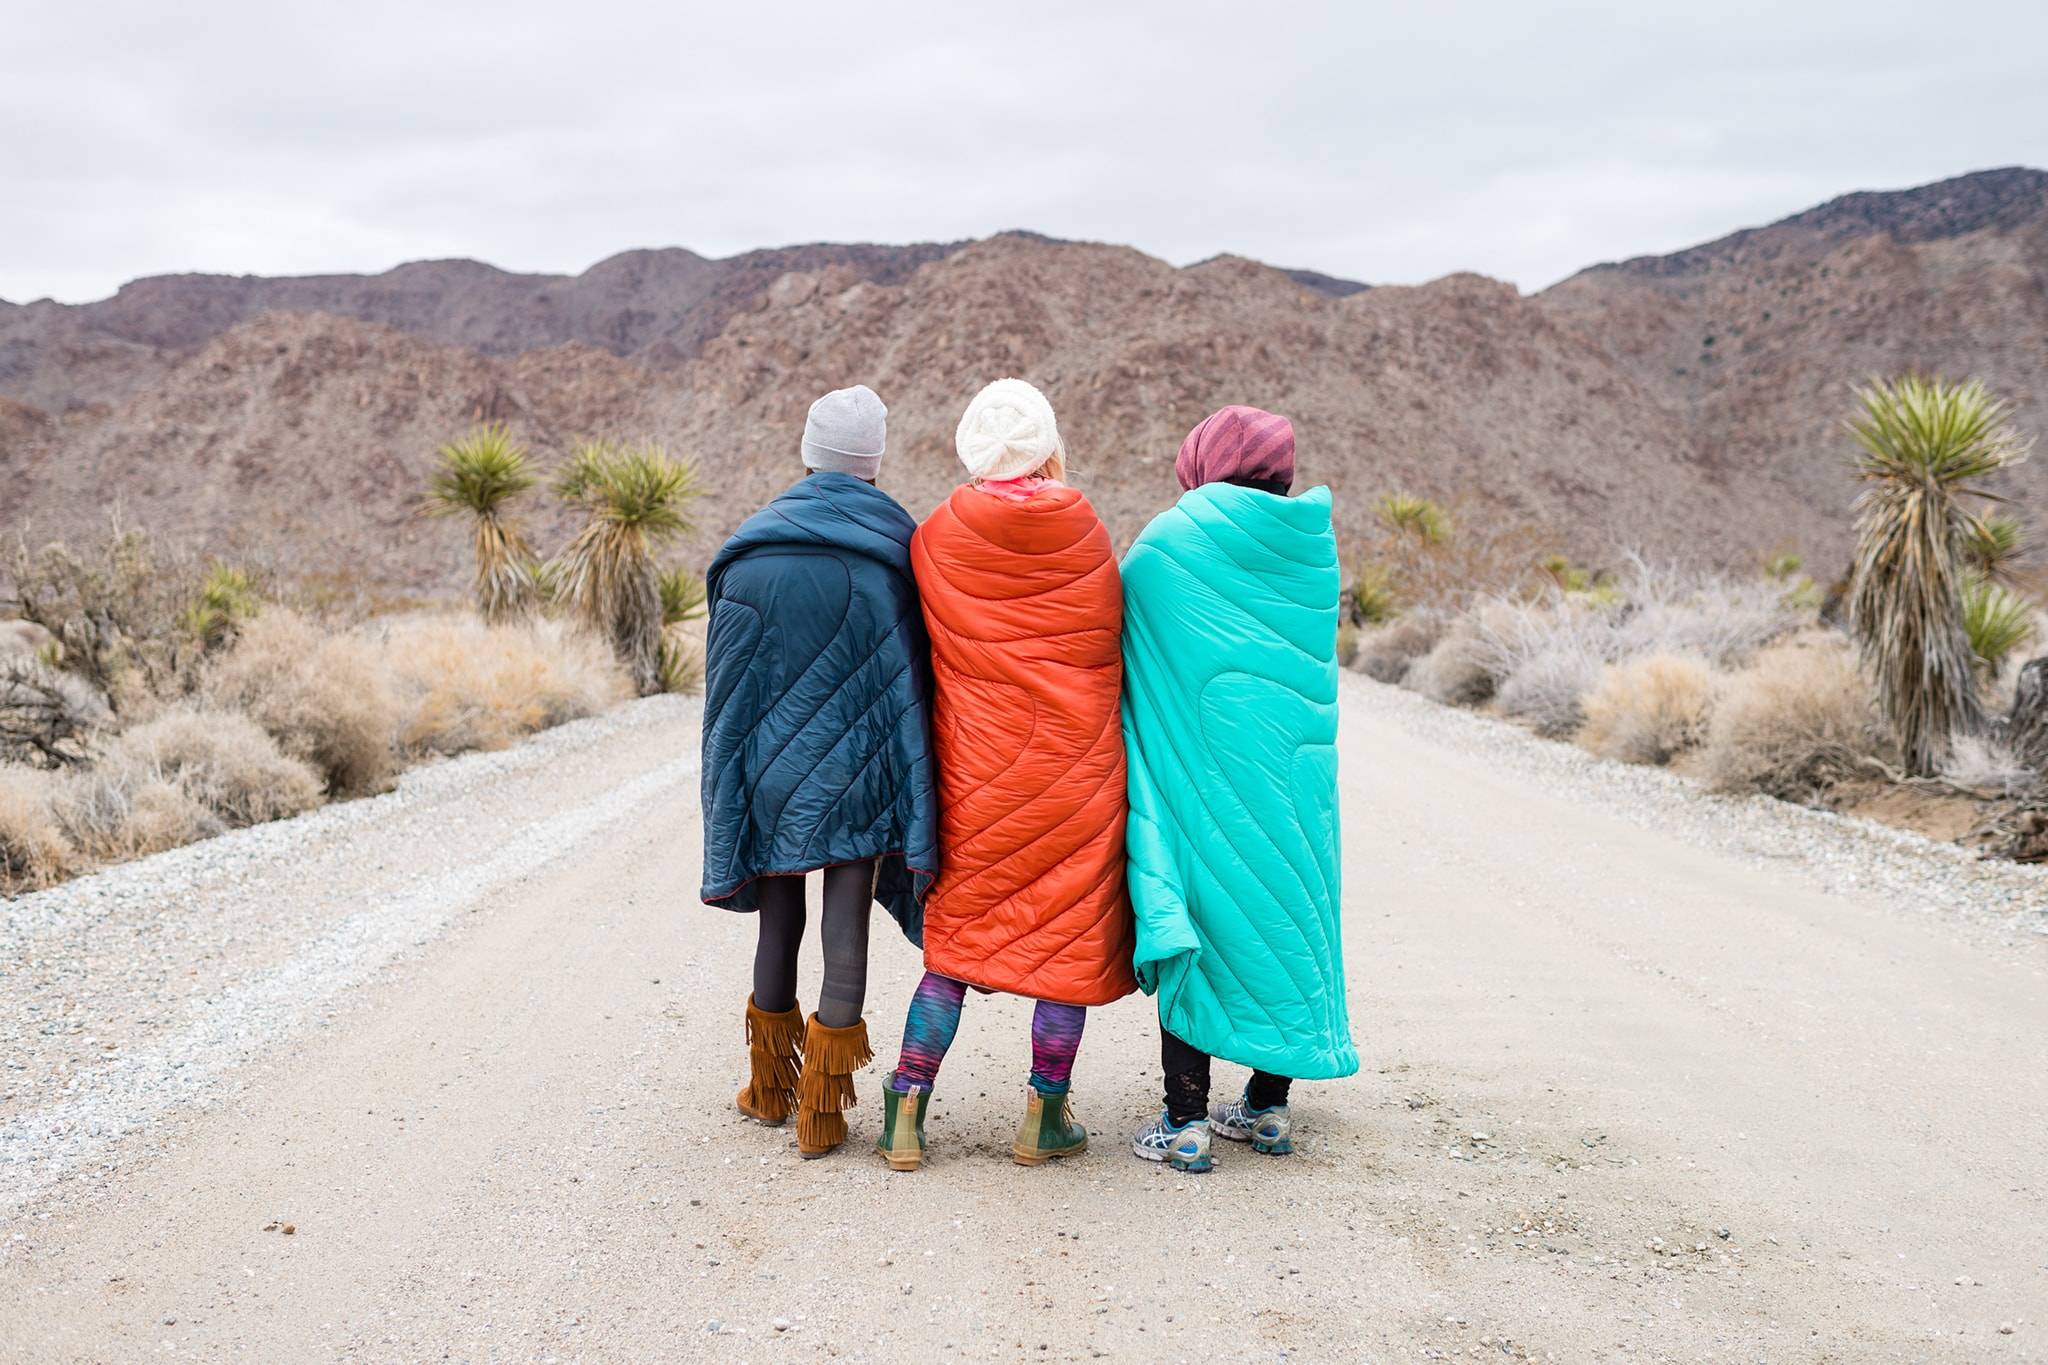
pixel 1007 432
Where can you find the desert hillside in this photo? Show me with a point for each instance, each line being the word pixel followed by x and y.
pixel 1687 403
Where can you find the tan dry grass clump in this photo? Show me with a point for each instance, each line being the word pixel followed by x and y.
pixel 460 684
pixel 322 697
pixel 34 851
pixel 227 763
pixel 1794 722
pixel 117 811
pixel 1649 709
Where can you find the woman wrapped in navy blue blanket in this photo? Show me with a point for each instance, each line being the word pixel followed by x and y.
pixel 817 755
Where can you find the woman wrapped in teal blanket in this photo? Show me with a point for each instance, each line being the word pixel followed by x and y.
pixel 1230 727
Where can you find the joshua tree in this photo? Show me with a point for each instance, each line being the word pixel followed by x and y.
pixel 1925 444
pixel 479 476
pixel 632 500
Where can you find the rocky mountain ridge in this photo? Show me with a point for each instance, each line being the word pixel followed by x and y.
pixel 1689 410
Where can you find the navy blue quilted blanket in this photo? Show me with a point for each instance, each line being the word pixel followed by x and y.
pixel 817 700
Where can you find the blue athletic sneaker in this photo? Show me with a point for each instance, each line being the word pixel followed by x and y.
pixel 1185 1148
pixel 1269 1131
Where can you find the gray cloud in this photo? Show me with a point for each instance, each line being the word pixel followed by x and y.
pixel 1389 143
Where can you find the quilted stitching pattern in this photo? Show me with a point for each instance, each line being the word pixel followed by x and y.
pixel 817 700
pixel 1230 721
pixel 1024 608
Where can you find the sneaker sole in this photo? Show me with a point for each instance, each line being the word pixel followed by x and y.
pixel 1024 1158
pixel 1168 1159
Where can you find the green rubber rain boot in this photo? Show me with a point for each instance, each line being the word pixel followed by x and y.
pixel 902 1141
pixel 1048 1130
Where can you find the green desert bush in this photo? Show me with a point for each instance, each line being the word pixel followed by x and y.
pixel 1419 518
pixel 34 851
pixel 321 696
pixel 1648 709
pixel 1387 652
pixel 225 599
pixel 1793 723
pixel 1371 598
pixel 459 684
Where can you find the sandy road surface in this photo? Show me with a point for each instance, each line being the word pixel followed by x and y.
pixel 1627 1097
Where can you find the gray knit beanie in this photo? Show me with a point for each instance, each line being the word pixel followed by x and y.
pixel 847 431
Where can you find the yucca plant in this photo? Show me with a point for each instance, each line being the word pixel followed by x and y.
pixel 1925 444
pixel 226 598
pixel 1997 621
pixel 682 595
pixel 1781 568
pixel 1372 599
pixel 1411 516
pixel 633 499
pixel 479 476
pixel 682 600
pixel 1994 544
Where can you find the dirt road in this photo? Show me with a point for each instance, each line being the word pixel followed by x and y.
pixel 449 1075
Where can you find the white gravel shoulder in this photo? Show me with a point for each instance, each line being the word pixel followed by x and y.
pixel 1838 853
pixel 133 993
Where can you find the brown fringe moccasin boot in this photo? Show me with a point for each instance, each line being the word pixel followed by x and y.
pixel 825 1090
pixel 774 1047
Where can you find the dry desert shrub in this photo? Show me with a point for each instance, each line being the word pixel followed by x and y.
pixel 47 716
pixel 116 811
pixel 321 697
pixel 1987 764
pixel 227 763
pixel 34 851
pixel 460 684
pixel 1463 667
pixel 1648 710
pixel 1721 620
pixel 1546 657
pixel 1388 652
pixel 1794 722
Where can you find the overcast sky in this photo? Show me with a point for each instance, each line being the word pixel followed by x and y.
pixel 1386 142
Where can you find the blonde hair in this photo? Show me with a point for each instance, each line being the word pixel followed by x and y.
pixel 1055 468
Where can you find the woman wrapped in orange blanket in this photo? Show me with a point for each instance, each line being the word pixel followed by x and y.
pixel 1025 612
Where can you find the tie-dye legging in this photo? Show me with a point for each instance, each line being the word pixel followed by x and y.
pixel 935 1017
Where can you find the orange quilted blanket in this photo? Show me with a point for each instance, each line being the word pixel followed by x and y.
pixel 1025 614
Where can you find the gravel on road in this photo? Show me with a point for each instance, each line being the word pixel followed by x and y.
pixel 1650 1074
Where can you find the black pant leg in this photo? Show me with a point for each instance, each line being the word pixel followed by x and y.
pixel 1187 1078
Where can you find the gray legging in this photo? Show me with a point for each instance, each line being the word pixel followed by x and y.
pixel 849 896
